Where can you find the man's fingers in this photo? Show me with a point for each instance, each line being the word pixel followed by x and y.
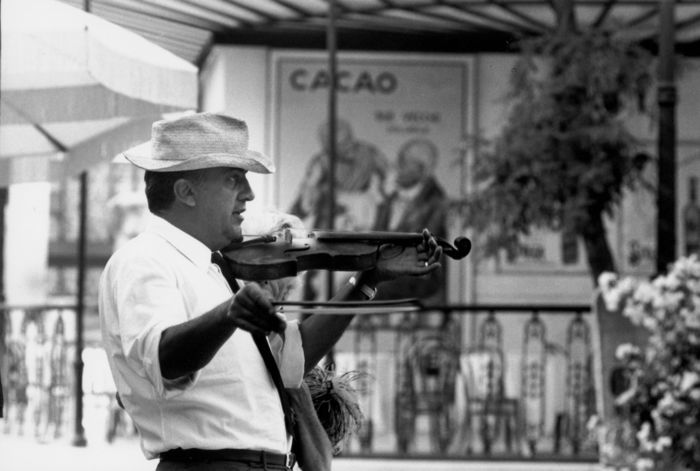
pixel 255 310
pixel 244 324
pixel 259 321
pixel 436 256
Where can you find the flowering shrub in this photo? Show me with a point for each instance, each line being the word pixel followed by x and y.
pixel 662 398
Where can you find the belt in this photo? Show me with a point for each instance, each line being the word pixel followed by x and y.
pixel 249 456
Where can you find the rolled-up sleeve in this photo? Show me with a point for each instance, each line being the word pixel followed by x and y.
pixel 149 302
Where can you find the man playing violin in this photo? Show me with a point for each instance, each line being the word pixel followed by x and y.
pixel 178 340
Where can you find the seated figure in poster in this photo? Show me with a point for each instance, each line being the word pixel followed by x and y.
pixel 416 201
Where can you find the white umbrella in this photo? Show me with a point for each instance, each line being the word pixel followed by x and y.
pixel 75 90
pixel 79 89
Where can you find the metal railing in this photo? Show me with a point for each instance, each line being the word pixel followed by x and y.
pixel 455 381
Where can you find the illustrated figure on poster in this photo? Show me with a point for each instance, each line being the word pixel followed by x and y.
pixel 360 169
pixel 416 201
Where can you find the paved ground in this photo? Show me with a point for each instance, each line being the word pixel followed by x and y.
pixel 23 454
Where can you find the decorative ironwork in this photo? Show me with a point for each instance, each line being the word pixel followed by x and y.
pixel 38 379
pixel 483 368
pixel 533 380
pixel 365 350
pixel 427 361
pixel 427 372
pixel 579 381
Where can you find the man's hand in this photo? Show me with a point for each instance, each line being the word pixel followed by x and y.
pixel 251 309
pixel 395 261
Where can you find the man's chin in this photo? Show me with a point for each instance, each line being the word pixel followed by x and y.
pixel 232 241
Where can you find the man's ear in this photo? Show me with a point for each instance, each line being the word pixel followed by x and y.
pixel 184 192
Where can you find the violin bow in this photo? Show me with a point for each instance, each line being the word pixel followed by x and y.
pixel 350 307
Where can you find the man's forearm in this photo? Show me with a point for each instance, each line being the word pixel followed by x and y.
pixel 184 348
pixel 320 333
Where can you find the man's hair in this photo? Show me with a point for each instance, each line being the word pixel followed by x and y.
pixel 429 155
pixel 159 187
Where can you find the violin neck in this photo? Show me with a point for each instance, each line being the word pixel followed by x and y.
pixel 399 238
pixel 459 250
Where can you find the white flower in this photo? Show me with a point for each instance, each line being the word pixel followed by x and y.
pixel 635 313
pixel 650 323
pixel 644 436
pixel 626 350
pixel 645 293
pixel 645 464
pixel 663 442
pixel 667 400
pixel 694 394
pixel 692 317
pixel 687 266
pixel 668 302
pixel 668 282
pixel 689 379
pixel 694 285
pixel 627 285
pixel 607 280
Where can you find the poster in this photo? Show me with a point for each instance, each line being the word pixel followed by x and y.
pixel 688 197
pixel 400 124
pixel 638 221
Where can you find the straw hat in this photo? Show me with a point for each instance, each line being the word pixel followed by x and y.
pixel 197 141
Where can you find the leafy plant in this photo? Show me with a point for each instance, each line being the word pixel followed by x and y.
pixel 564 156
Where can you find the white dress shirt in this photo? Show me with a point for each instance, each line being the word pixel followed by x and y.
pixel 164 277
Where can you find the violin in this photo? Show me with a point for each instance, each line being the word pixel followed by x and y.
pixel 289 251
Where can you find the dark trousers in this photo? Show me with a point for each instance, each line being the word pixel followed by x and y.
pixel 216 466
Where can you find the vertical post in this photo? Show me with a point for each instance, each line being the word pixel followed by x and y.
pixel 3 204
pixel 3 320
pixel 666 197
pixel 79 433
pixel 331 45
pixel 332 122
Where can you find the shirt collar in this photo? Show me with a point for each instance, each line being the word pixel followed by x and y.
pixel 190 247
pixel 409 193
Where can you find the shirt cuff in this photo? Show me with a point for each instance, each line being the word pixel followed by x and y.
pixel 163 387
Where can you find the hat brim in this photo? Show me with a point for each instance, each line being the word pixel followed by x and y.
pixel 249 160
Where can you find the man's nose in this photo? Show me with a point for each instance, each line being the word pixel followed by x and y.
pixel 246 193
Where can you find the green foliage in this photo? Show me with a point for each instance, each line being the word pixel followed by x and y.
pixel 564 155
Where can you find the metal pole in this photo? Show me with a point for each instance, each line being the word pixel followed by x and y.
pixel 3 203
pixel 332 122
pixel 3 313
pixel 79 431
pixel 79 437
pixel 666 197
pixel 331 44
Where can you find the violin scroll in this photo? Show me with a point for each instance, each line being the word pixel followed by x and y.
pixel 461 248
